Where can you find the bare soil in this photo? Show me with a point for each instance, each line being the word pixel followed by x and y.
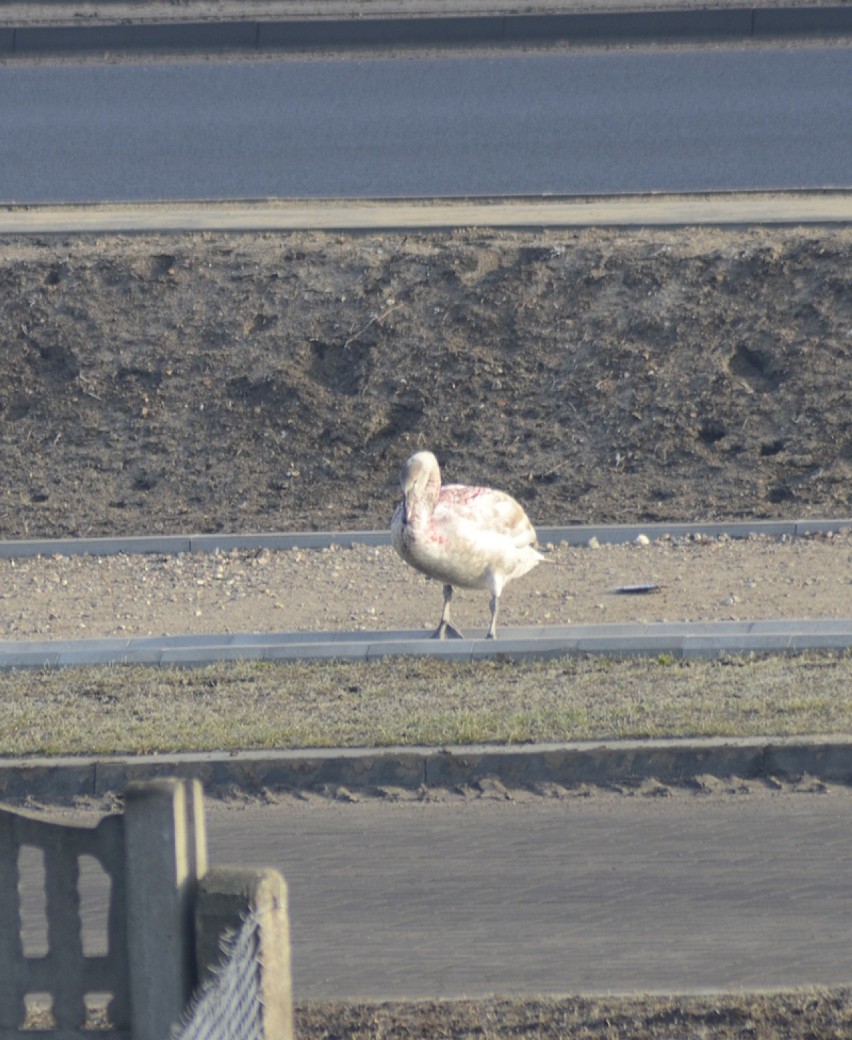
pixel 372 589
pixel 270 382
pixel 807 1014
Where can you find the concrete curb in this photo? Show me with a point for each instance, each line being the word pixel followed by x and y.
pixel 679 641
pixel 586 28
pixel 574 535
pixel 412 768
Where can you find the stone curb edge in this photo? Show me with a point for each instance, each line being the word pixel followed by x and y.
pixel 680 641
pixel 366 770
pixel 574 535
pixel 582 28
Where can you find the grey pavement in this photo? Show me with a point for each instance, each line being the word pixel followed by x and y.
pixel 59 12
pixel 656 210
pixel 601 122
pixel 466 896
pixel 576 895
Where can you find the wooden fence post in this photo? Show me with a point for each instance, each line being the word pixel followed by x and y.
pixel 166 855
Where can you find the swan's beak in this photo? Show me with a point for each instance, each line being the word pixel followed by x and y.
pixel 404 509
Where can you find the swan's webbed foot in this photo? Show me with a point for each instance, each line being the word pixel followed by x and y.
pixel 447 630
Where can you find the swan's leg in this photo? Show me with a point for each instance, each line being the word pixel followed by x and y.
pixel 446 627
pixel 496 584
pixel 492 628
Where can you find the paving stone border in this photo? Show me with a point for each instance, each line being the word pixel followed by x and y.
pixel 575 535
pixel 364 770
pixel 678 640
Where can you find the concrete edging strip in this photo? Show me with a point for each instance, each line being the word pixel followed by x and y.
pixel 593 762
pixel 583 28
pixel 575 535
pixel 678 641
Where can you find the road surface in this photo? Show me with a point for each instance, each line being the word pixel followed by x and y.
pixel 607 893
pixel 654 892
pixel 584 122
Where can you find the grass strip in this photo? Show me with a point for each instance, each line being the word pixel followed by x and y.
pixel 419 701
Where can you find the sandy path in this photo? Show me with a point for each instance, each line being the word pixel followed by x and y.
pixel 368 588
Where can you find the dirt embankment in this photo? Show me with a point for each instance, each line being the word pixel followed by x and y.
pixel 259 382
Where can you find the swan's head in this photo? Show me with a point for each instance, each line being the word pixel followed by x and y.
pixel 420 480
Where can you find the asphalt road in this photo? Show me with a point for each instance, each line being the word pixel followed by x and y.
pixel 602 894
pixel 609 893
pixel 584 122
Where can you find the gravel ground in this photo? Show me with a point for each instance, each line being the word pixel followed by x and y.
pixel 371 588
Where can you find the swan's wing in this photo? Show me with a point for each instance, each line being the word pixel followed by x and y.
pixel 485 511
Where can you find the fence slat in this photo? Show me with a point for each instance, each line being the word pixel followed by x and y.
pixel 11 950
pixel 165 848
pixel 63 971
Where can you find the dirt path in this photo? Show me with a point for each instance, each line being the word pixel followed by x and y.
pixel 368 588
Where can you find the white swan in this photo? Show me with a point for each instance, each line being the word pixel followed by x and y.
pixel 470 537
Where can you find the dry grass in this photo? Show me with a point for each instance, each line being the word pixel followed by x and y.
pixel 418 701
